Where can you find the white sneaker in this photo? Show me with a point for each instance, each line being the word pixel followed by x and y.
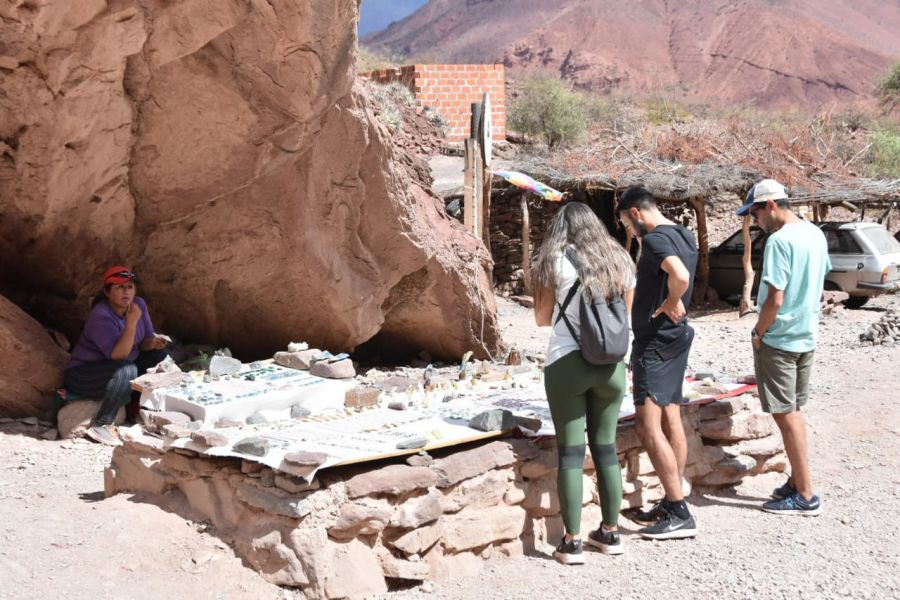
pixel 103 434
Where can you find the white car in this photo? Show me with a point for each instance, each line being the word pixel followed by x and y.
pixel 865 261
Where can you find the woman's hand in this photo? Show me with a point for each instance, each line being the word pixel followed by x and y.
pixel 157 342
pixel 133 314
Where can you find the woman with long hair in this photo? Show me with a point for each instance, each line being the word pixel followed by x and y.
pixel 582 395
pixel 118 343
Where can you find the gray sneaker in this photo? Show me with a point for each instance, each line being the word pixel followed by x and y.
pixel 103 434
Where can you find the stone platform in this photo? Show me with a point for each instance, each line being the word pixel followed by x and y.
pixel 354 531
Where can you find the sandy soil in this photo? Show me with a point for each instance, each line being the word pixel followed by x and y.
pixel 59 535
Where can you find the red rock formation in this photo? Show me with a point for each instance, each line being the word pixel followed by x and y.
pixel 220 147
pixel 31 365
pixel 791 53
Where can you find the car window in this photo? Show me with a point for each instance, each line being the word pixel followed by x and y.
pixel 847 243
pixel 832 238
pixel 735 243
pixel 841 242
pixel 880 239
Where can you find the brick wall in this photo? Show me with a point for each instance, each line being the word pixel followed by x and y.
pixel 450 91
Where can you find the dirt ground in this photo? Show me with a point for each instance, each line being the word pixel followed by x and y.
pixel 58 535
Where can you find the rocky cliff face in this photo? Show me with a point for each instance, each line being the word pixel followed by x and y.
pixel 785 54
pixel 31 365
pixel 221 148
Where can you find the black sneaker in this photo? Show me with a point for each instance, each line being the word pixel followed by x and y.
pixel 795 504
pixel 784 491
pixel 569 553
pixel 649 517
pixel 607 541
pixel 670 527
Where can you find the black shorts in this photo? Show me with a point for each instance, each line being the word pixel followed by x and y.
pixel 658 367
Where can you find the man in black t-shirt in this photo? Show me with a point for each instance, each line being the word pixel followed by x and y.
pixel 662 342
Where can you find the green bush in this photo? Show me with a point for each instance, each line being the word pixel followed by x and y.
pixel 888 90
pixel 390 98
pixel 374 60
pixel 659 111
pixel 886 153
pixel 548 109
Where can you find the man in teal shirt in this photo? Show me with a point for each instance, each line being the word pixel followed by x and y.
pixel 784 338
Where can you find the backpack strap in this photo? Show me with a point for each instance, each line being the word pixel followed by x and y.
pixel 565 304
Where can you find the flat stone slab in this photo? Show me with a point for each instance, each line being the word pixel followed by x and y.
pixel 391 480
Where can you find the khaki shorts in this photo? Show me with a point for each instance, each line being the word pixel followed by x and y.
pixel 782 378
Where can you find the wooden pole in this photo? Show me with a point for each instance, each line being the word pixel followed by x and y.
pixel 478 192
pixel 701 280
pixel 746 305
pixel 486 207
pixel 469 218
pixel 526 244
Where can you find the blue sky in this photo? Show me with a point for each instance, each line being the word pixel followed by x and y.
pixel 375 15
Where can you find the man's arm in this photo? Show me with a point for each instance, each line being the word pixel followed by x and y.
pixel 679 280
pixel 768 313
pixel 544 299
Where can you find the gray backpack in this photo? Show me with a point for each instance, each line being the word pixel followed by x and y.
pixel 603 338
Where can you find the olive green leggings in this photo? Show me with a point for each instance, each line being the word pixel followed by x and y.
pixel 579 391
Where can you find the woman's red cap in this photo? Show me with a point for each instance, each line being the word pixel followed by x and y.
pixel 114 275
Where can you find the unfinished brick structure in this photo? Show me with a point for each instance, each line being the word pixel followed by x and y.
pixel 450 90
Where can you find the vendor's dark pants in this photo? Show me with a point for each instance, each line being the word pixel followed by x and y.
pixel 110 379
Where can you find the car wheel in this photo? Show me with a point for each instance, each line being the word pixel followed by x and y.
pixel 856 301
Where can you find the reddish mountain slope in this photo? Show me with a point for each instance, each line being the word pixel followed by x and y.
pixel 772 53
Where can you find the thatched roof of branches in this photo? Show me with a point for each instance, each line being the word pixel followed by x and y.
pixel 819 160
pixel 673 183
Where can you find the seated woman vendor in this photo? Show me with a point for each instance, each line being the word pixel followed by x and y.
pixel 117 345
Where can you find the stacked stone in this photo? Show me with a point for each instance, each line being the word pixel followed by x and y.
pixel 833 302
pixel 885 331
pixel 737 440
pixel 506 236
pixel 351 532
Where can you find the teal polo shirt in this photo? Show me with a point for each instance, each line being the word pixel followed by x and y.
pixel 795 261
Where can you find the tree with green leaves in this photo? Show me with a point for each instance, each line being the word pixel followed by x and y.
pixel 547 108
pixel 888 90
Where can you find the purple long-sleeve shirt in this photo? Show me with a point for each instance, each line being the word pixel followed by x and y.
pixel 103 329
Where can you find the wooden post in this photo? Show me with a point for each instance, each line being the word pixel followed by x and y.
pixel 478 193
pixel 701 280
pixel 486 207
pixel 746 305
pixel 469 216
pixel 526 244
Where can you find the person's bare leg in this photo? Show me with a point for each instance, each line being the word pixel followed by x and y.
pixel 793 432
pixel 649 429
pixel 674 430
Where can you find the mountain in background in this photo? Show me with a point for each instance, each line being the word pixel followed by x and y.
pixel 768 53
pixel 375 15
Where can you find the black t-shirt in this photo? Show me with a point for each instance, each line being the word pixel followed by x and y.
pixel 652 283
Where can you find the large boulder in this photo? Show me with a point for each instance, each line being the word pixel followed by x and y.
pixel 31 365
pixel 234 163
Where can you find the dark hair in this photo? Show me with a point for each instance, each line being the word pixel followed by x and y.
pixel 101 295
pixel 636 197
pixel 783 203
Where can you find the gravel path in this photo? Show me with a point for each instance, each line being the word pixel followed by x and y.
pixel 850 551
pixel 58 534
